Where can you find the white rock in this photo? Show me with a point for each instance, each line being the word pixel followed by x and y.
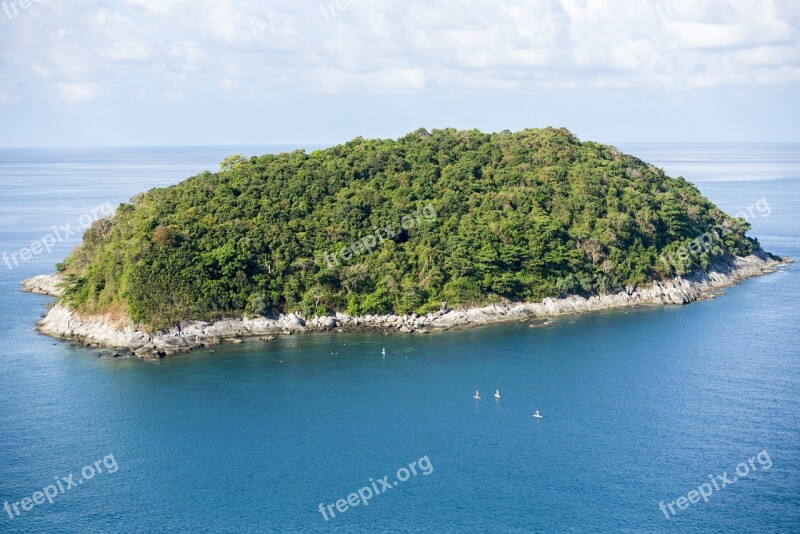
pixel 116 332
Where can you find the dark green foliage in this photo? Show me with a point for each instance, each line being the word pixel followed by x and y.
pixel 519 216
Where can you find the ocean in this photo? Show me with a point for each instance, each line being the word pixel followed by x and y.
pixel 669 419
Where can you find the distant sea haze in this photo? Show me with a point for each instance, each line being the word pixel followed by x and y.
pixel 640 406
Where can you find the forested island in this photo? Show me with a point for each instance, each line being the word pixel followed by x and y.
pixel 431 221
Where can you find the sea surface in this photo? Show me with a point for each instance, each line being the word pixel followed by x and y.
pixel 639 406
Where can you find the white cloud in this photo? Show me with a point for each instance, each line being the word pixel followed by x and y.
pixel 229 84
pixel 82 50
pixel 119 38
pixel 79 91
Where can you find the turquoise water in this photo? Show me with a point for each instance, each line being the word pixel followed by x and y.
pixel 639 406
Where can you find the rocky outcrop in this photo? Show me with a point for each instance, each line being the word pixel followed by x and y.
pixel 44 284
pixel 678 290
pixel 106 330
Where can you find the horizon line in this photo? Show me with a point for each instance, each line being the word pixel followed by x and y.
pixel 317 146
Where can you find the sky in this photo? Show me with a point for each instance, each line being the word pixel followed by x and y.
pixel 226 72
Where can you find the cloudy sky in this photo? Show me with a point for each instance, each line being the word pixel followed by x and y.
pixel 187 72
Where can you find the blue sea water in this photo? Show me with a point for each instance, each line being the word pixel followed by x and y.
pixel 640 406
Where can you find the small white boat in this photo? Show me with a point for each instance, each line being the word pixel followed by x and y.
pixel 383 351
pixel 477 395
pixel 537 415
pixel 497 394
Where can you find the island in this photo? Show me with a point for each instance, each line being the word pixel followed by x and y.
pixel 431 231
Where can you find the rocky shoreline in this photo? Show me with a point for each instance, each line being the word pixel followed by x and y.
pixel 112 332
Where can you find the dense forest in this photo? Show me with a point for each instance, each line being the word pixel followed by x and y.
pixel 462 217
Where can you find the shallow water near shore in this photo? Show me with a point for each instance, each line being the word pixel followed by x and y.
pixel 640 406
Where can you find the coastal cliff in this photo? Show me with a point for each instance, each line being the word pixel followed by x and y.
pixel 109 331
